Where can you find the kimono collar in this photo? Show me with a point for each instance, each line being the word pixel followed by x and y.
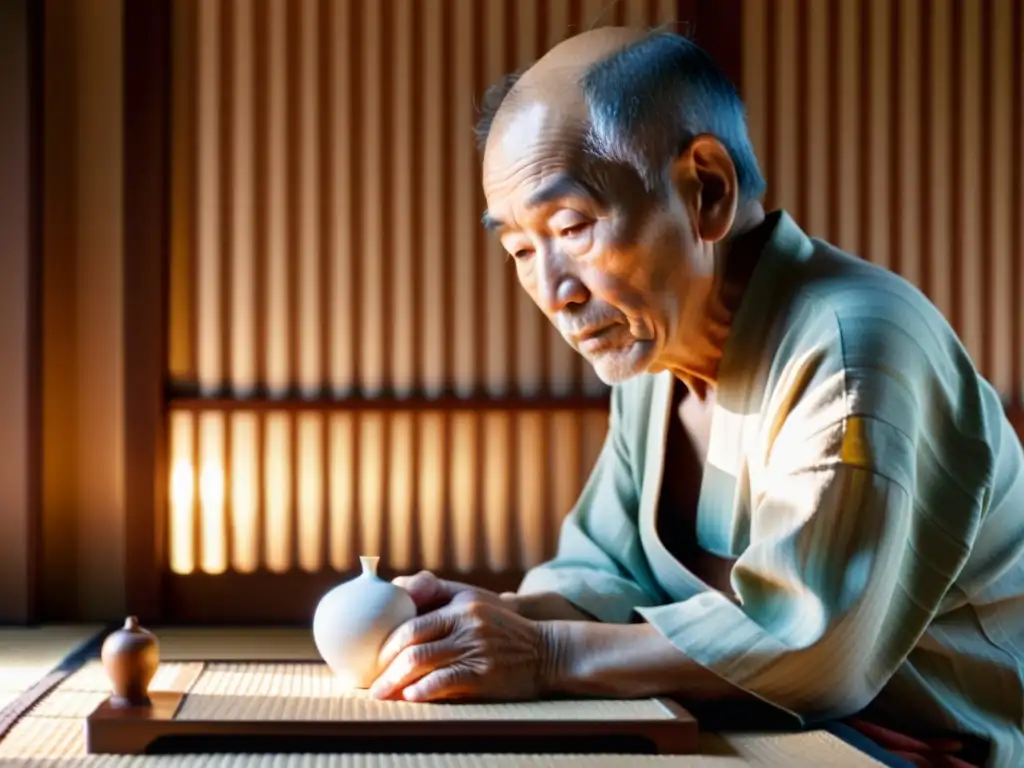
pixel 745 347
pixel 743 375
pixel 723 515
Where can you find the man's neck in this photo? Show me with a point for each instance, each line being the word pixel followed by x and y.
pixel 699 352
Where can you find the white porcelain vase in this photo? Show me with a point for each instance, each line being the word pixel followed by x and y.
pixel 353 620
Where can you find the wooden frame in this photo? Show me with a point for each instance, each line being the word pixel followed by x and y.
pixel 415 403
pixel 147 38
pixel 20 230
pixel 34 511
pixel 148 729
pixel 136 732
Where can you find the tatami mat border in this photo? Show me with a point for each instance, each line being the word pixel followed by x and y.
pixel 71 663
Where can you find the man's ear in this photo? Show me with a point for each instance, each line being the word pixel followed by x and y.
pixel 704 177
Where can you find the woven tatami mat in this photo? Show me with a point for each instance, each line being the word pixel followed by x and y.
pixel 236 644
pixel 808 750
pixel 53 728
pixel 27 655
pixel 310 692
pixel 51 736
pixel 383 761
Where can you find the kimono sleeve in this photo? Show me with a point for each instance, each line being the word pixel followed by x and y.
pixel 600 566
pixel 832 594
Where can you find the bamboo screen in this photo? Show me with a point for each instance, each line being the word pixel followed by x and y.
pixel 894 129
pixel 327 246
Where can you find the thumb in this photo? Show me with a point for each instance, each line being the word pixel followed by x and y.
pixel 427 591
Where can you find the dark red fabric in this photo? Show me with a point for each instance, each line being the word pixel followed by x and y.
pixel 921 752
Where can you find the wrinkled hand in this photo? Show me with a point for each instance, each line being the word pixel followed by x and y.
pixel 470 648
pixel 430 592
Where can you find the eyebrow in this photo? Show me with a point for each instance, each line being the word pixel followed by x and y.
pixel 561 186
pixel 490 223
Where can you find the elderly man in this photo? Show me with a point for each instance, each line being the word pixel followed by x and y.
pixel 808 495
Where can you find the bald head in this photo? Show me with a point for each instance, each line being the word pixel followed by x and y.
pixel 570 59
pixel 627 95
pixel 554 81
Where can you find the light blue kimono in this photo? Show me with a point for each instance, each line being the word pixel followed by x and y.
pixel 871 487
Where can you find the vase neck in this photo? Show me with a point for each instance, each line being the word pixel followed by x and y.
pixel 369 565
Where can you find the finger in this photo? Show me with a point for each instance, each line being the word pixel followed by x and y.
pixel 417 631
pixel 429 592
pixel 411 664
pixel 444 683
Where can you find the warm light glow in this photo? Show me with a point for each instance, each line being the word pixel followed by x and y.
pixel 390 494
pixel 431 496
pixel 341 512
pixel 182 484
pixel 463 490
pixel 182 491
pixel 305 681
pixel 244 557
pixel 211 493
pixel 400 493
pixel 532 468
pixel 496 490
pixel 211 505
pixel 310 491
pixel 565 468
pixel 211 487
pixel 277 493
pixel 371 481
pixel 345 682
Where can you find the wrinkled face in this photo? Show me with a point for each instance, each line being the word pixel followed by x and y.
pixel 607 261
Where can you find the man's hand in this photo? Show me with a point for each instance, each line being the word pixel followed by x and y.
pixel 430 593
pixel 470 648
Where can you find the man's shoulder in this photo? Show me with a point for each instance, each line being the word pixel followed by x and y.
pixel 875 322
pixel 893 356
pixel 862 298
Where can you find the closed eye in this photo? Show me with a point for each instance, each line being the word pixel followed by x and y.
pixel 574 230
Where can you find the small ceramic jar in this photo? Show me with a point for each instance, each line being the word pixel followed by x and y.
pixel 130 657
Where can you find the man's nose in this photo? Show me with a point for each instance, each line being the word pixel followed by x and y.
pixel 557 285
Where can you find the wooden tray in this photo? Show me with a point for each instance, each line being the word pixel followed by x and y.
pixel 256 707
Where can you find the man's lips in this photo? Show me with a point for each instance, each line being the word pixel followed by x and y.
pixel 595 337
pixel 591 333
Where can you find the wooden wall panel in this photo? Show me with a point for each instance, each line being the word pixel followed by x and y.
pixel 326 247
pixel 19 342
pixel 89 364
pixel 326 198
pixel 894 129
